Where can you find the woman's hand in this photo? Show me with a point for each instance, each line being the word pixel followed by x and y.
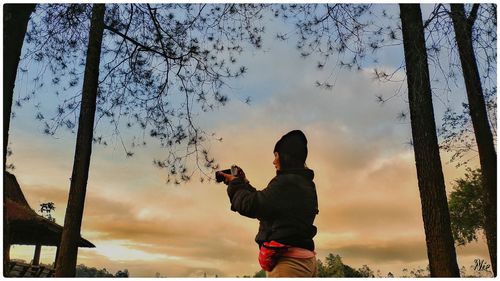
pixel 227 177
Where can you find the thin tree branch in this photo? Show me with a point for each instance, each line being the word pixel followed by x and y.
pixel 117 32
pixel 434 14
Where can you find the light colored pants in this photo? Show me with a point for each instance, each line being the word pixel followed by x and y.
pixel 294 267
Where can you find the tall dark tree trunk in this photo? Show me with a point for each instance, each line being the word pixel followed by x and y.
pixel 479 117
pixel 15 23
pixel 435 213
pixel 68 250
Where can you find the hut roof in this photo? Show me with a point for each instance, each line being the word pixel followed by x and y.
pixel 26 226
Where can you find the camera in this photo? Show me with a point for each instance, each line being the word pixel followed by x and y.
pixel 233 171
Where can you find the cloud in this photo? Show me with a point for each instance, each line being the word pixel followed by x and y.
pixel 404 251
pixel 189 237
pixel 476 249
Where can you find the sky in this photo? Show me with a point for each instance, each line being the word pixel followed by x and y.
pixel 365 175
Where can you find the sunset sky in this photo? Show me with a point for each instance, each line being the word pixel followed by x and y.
pixel 365 173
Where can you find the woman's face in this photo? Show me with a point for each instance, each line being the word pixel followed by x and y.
pixel 276 161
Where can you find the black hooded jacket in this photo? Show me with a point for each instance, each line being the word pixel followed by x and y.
pixel 286 208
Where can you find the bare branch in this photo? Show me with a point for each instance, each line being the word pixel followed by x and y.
pixel 117 32
pixel 434 14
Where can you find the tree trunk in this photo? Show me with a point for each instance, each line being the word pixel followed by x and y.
pixel 479 117
pixel 66 261
pixel 435 213
pixel 15 23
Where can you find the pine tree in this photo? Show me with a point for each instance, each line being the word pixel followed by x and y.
pixel 436 217
pixel 484 138
pixel 68 249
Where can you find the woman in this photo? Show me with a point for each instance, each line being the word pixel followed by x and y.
pixel 286 209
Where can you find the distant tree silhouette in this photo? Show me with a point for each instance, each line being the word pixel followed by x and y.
pixel 121 273
pixel 46 210
pixel 414 273
pixel 85 271
pixel 334 267
pixel 466 207
pixel 260 274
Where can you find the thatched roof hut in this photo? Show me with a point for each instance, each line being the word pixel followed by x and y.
pixel 26 227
